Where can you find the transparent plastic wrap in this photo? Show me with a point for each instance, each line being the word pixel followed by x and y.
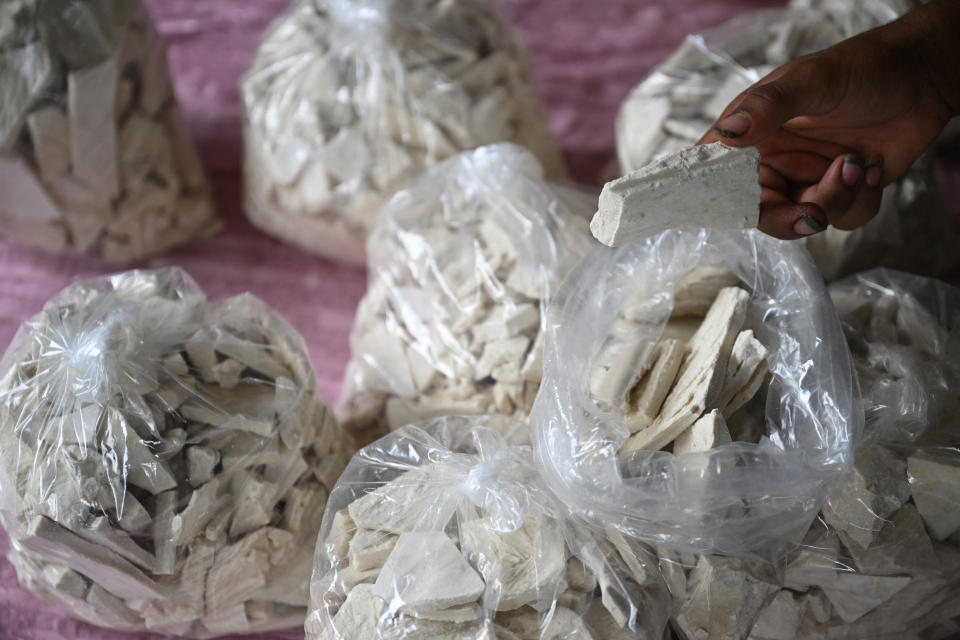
pixel 462 264
pixel 444 529
pixel 679 101
pixel 904 334
pixel 347 100
pixel 166 460
pixel 724 344
pixel 883 558
pixel 94 158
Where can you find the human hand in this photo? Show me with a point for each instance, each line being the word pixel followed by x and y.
pixel 834 127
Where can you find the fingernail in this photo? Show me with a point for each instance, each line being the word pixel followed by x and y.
pixel 807 226
pixel 734 125
pixel 852 169
pixel 874 174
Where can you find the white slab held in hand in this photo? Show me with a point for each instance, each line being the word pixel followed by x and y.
pixel 712 185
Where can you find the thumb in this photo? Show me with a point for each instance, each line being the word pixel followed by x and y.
pixel 795 89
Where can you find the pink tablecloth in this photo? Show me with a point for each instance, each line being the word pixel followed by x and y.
pixel 587 55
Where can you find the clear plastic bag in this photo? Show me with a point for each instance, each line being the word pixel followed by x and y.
pixel 166 460
pixel 462 264
pixel 904 334
pixel 754 496
pixel 94 158
pixel 883 558
pixel 679 101
pixel 444 529
pixel 347 100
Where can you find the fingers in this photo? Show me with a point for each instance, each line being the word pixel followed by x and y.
pixel 782 218
pixel 845 194
pixel 801 87
pixel 797 166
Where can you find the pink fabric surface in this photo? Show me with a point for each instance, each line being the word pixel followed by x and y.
pixel 586 56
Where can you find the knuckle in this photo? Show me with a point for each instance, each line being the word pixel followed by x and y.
pixel 770 93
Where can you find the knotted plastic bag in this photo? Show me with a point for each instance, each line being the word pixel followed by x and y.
pixel 723 350
pixel 679 101
pixel 443 529
pixel 347 100
pixel 94 158
pixel 166 460
pixel 462 264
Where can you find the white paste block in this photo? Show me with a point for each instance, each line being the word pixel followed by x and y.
pixel 24 200
pixel 853 595
pixel 427 572
pixel 935 485
pixel 93 133
pixel 705 434
pixel 712 185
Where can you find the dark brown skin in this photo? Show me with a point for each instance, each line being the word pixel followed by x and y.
pixel 834 127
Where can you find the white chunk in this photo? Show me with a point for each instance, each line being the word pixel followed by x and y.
pixel 522 563
pixel 65 580
pixel 255 500
pixel 105 567
pixel 24 200
pixel 657 384
pixel 386 363
pixel 358 617
pixel 93 129
pixel 640 121
pixel 701 376
pixel 165 533
pixel 618 367
pixel 427 572
pixel 695 292
pixel 101 532
pixel 200 464
pixel 724 601
pixel 370 549
pixel 377 510
pixel 747 365
pixel 876 487
pixel 705 434
pixel 853 594
pixel 712 186
pixel 50 133
pixel 111 607
pixel 935 486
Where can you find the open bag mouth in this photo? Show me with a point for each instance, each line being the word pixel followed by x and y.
pixel 739 497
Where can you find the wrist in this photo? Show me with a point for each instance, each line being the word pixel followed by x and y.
pixel 934 31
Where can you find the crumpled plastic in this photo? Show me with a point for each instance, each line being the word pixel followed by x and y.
pixel 882 560
pixel 444 529
pixel 754 497
pixel 166 460
pixel 462 264
pixel 94 158
pixel 904 334
pixel 347 100
pixel 679 101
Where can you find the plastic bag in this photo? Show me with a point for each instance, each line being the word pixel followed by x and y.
pixel 904 334
pixel 679 101
pixel 883 558
pixel 94 158
pixel 755 496
pixel 462 265
pixel 444 529
pixel 166 460
pixel 347 100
